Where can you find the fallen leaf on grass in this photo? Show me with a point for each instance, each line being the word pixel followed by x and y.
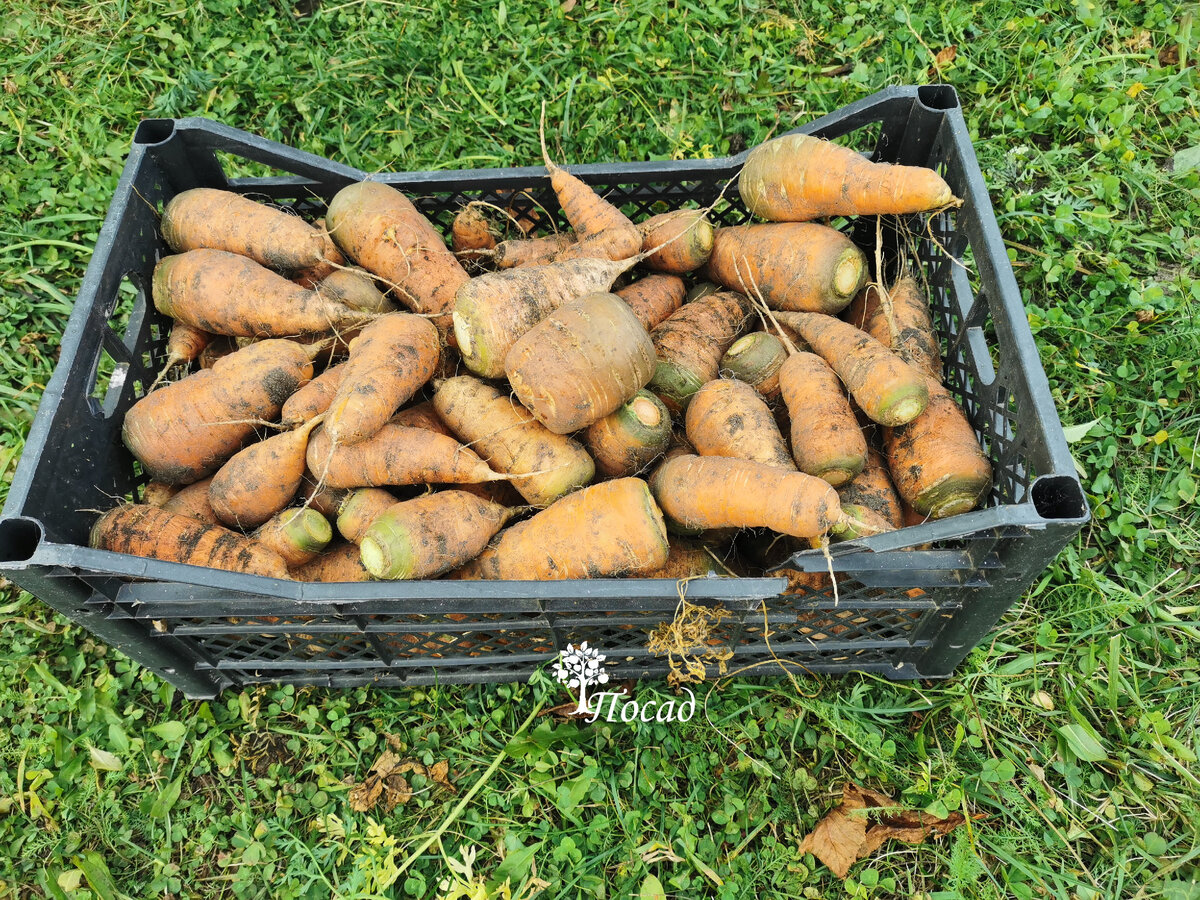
pixel 943 58
pixel 386 781
pixel 847 834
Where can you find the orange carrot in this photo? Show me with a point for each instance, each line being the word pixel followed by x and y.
pixel 539 251
pixel 192 501
pixel 229 294
pixel 626 441
pixel 184 345
pixel 471 230
pixel 342 563
pixel 581 362
pixel 312 399
pixel 390 361
pixel 147 531
pixel 156 493
pixel 901 322
pixel 797 178
pixel 890 391
pixel 541 465
pixel 333 261
pixel 826 439
pixel 654 298
pixel 354 288
pixel 422 415
pixel 602 231
pixel 186 430
pixel 809 268
pixel 321 497
pixel 690 344
pixel 668 251
pixel 261 480
pixel 873 488
pixel 297 535
pixel 360 508
pixel 727 417
pixel 755 359
pixel 608 529
pixel 688 559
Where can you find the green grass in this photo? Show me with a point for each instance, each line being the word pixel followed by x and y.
pixel 1072 728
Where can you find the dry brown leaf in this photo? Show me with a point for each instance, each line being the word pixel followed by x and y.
pixel 386 780
pixel 846 835
pixel 440 773
pixel 364 796
pixel 942 59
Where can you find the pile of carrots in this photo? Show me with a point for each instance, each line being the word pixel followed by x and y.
pixel 351 398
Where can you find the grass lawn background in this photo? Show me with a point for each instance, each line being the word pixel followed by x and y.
pixel 1072 728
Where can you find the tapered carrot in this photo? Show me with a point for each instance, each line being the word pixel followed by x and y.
pixel 389 361
pixel 936 461
pixel 581 362
pixel 333 261
pixel 755 359
pixel 312 399
pixel 624 442
pixel 193 501
pixel 861 522
pixel 608 529
pixel 156 493
pixel 354 288
pixel 261 480
pixel 890 391
pixel 602 231
pixel 342 563
pixel 360 508
pixel 184 345
pixel 727 417
pixel 671 253
pixel 297 535
pixel 396 455
pixel 873 488
pixel 899 321
pixel 147 531
pixel 471 231
pixel 826 439
pixel 539 251
pixel 797 178
pixel 422 415
pixel 654 298
pixel 794 266
pixel 690 344
pixel 424 537
pixel 186 430
pixel 701 492
pixel 541 465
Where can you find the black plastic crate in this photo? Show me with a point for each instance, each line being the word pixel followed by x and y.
pixel 903 613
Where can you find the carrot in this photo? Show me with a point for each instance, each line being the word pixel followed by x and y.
pixel 541 465
pixel 297 535
pixel 471 230
pixel 193 501
pixel 673 254
pixel 380 229
pixel 936 461
pixel 354 288
pixel 156 493
pixel 826 439
pixel 609 529
pixel 687 559
pixel 755 359
pixel 360 508
pixel 186 430
pixel 342 563
pixel 539 251
pixel 601 230
pixel 229 294
pixel 430 535
pixel 702 492
pixel 147 531
pixel 389 361
pixel 223 220
pixel 184 345
pixel 581 362
pixel 422 415
pixel 873 489
pixel 261 480
pixel 654 298
pixel 901 322
pixel 312 399
pixel 727 417
pixel 797 178
pixel 690 344
pixel 810 268
pixel 217 348
pixel 861 521
pixel 396 455
pixel 321 497
pixel 624 442
pixel 492 311
pixel 890 391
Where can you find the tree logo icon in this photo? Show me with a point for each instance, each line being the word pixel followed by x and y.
pixel 581 667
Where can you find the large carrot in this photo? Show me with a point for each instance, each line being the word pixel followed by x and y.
pixel 702 492
pixel 654 298
pixel 229 294
pixel 581 362
pixel 396 455
pixel 890 391
pixel 342 563
pixel 222 220
pixel 602 231
pixel 826 439
pixel 186 430
pixel 261 480
pixel 624 442
pixel 422 415
pixel 608 529
pixel 430 535
pixel 539 251
pixel 797 178
pixel 312 399
pixel 899 321
pixel 492 311
pixel 354 288
pixel 541 465
pixel 690 344
pixel 147 531
pixel 755 359
pixel 936 460
pixel 389 361
pixel 810 268
pixel 297 535
pixel 873 488
pixel 727 417
pixel 471 231
pixel 192 501
pixel 380 229
pixel 360 508
pixel 671 253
